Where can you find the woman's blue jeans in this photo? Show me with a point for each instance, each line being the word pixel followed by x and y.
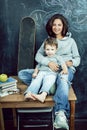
pixel 26 75
pixel 62 91
pixel 62 88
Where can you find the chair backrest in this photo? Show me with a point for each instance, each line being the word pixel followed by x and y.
pixel 26 43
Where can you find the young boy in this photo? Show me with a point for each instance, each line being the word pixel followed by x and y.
pixel 43 77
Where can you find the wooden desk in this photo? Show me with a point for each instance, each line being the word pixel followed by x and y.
pixel 17 101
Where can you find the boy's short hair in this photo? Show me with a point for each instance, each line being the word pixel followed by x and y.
pixel 51 42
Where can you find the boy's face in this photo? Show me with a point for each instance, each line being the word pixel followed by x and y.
pixel 50 50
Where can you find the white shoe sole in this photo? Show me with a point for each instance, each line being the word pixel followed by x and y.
pixel 57 127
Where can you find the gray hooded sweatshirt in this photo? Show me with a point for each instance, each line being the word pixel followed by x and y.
pixel 67 48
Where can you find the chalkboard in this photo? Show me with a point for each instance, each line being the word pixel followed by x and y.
pixel 11 13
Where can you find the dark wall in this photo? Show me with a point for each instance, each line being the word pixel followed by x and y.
pixel 11 13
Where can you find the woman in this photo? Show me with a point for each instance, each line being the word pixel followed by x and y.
pixel 57 27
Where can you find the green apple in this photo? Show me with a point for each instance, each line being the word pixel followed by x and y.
pixel 3 77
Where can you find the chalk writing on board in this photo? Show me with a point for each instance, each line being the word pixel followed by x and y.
pixel 74 11
pixel 38 16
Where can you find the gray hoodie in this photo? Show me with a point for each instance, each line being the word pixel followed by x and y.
pixel 67 48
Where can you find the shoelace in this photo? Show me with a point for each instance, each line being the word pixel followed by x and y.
pixel 62 115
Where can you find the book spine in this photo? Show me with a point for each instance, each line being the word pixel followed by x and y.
pixel 5 94
pixel 2 85
pixel 8 82
pixel 8 85
pixel 9 89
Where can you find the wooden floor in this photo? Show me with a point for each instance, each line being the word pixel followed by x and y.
pixel 80 124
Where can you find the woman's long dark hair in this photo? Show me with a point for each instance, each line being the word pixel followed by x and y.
pixel 50 24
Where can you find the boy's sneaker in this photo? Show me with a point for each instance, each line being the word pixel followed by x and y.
pixel 61 121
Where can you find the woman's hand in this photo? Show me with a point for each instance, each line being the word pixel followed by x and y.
pixel 69 63
pixel 34 75
pixel 53 66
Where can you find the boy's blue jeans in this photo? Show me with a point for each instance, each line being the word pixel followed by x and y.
pixel 42 83
pixel 62 90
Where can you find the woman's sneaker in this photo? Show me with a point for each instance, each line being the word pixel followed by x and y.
pixel 61 121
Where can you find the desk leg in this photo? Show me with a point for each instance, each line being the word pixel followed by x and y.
pixel 1 120
pixel 14 117
pixel 72 115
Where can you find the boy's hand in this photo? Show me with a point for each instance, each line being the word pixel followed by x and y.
pixel 69 63
pixel 64 72
pixel 34 75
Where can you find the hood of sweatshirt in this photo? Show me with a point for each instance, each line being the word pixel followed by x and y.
pixel 68 35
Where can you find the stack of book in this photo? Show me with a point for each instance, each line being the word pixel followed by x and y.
pixel 8 87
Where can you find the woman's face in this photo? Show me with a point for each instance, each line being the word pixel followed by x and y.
pixel 57 27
